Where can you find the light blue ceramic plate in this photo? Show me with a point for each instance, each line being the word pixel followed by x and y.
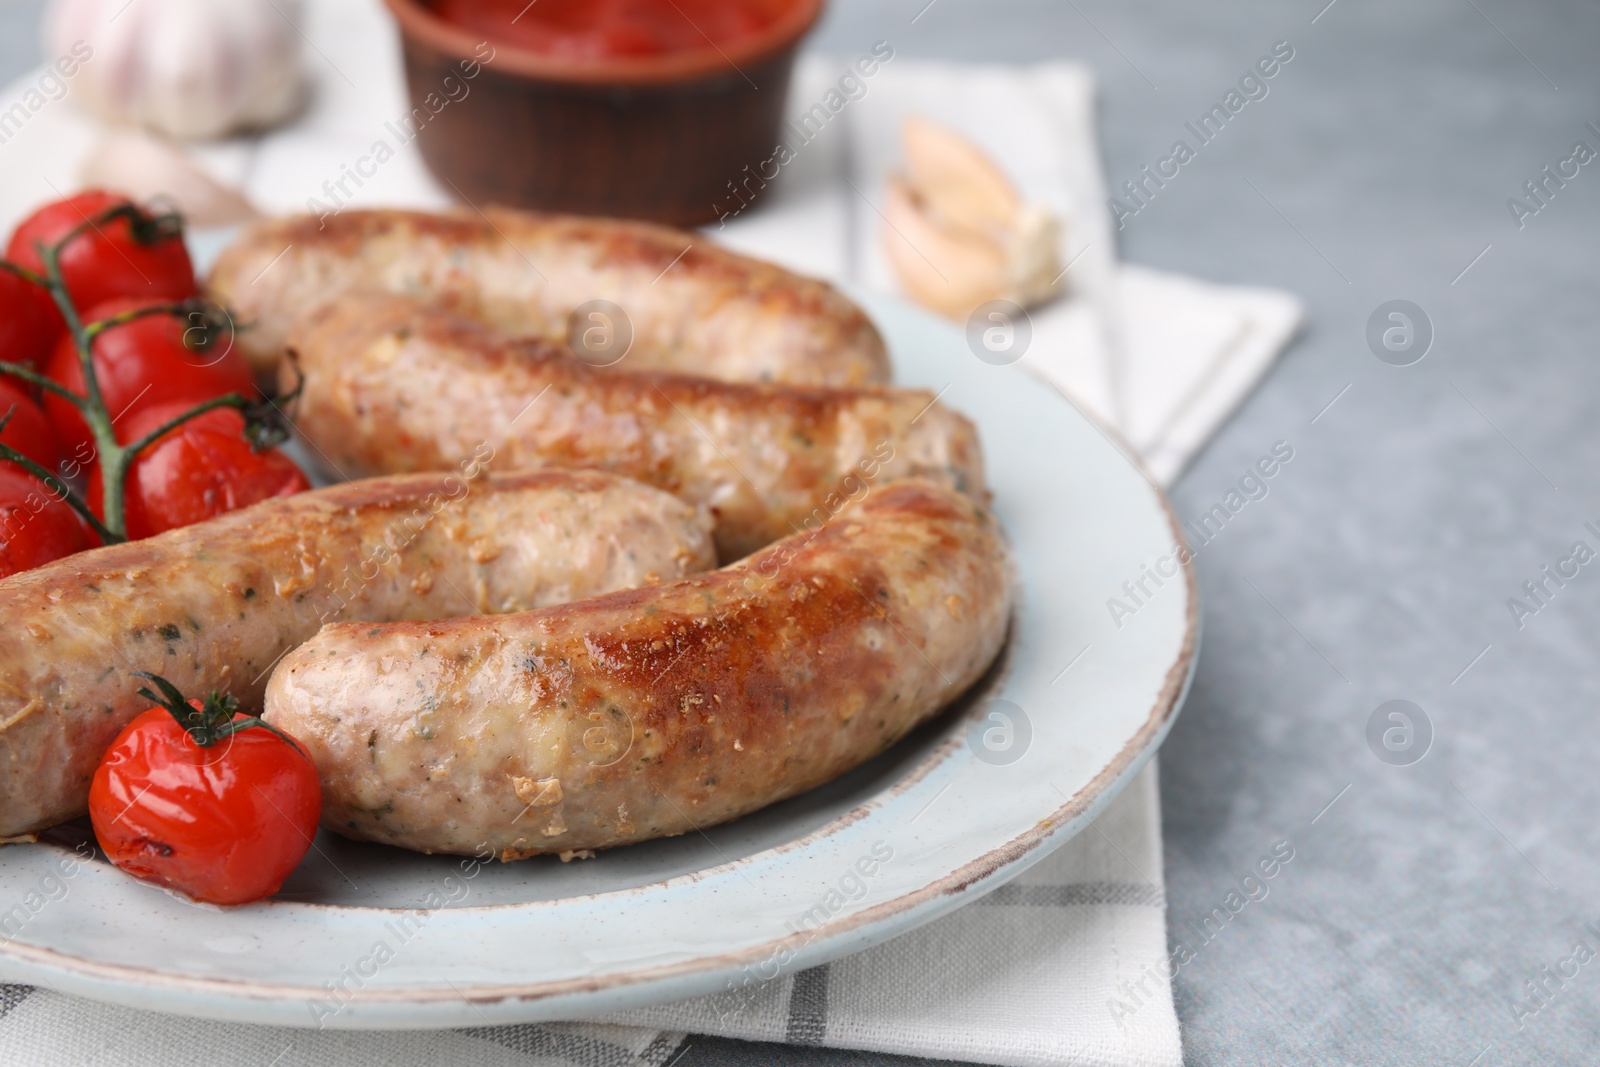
pixel 1070 714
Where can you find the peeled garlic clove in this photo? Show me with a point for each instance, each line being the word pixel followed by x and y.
pixel 1034 260
pixel 959 234
pixel 955 179
pixel 947 269
pixel 150 169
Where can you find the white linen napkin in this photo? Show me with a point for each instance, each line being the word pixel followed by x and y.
pixel 1064 965
pixel 1162 358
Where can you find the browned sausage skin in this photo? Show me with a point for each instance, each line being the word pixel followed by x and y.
pixel 214 605
pixel 691 307
pixel 393 385
pixel 651 712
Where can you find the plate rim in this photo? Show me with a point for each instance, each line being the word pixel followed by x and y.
pixel 828 941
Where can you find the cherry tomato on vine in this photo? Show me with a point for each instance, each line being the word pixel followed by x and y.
pixel 198 798
pixel 29 321
pixel 144 363
pixel 198 471
pixel 36 526
pixel 28 431
pixel 141 257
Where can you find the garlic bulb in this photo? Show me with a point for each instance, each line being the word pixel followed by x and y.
pixel 192 69
pixel 958 234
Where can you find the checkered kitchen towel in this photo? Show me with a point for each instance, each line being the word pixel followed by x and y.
pixel 1064 965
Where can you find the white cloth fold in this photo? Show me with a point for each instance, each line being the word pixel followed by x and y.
pixel 1064 965
pixel 1162 358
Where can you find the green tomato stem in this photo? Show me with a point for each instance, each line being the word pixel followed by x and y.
pixel 33 377
pixel 98 326
pixel 214 720
pixel 22 272
pixel 230 400
pixel 113 464
pixel 59 488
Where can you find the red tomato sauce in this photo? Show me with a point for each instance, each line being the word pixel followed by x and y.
pixel 605 29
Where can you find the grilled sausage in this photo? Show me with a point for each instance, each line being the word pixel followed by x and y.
pixel 392 385
pixel 213 606
pixel 690 306
pixel 650 712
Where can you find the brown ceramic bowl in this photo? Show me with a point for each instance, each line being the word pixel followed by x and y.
pixel 666 138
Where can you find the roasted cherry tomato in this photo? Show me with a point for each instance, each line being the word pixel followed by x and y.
pixel 198 471
pixel 150 361
pixel 29 321
pixel 198 798
pixel 36 526
pixel 141 257
pixel 28 431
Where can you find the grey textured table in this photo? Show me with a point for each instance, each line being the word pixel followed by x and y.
pixel 1422 899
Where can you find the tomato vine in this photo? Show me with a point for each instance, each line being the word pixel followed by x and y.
pixel 265 423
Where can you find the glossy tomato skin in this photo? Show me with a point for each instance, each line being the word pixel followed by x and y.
pixel 142 364
pixel 28 431
pixel 30 325
pixel 224 825
pixel 200 470
pixel 106 261
pixel 35 525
